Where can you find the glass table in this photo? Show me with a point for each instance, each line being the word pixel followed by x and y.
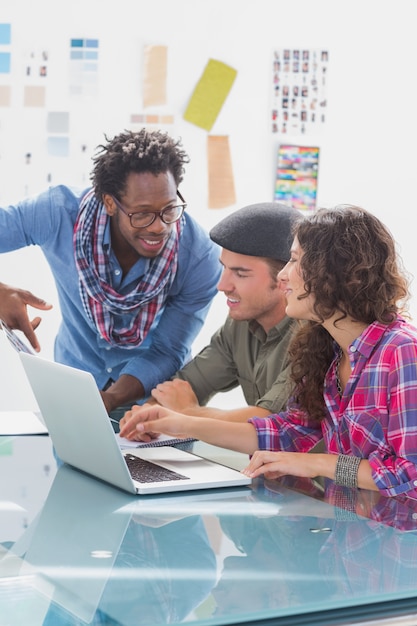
pixel 292 551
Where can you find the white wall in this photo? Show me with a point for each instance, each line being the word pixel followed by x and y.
pixel 367 150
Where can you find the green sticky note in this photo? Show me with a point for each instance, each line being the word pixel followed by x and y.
pixel 210 93
pixel 6 446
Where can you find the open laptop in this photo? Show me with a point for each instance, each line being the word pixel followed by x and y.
pixel 81 432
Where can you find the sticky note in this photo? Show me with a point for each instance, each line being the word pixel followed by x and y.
pixel 58 122
pixel 5 34
pixel 5 95
pixel 155 70
pixel 210 94
pixel 220 173
pixel 34 96
pixel 5 62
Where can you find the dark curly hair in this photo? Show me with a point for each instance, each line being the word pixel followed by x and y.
pixel 144 151
pixel 350 265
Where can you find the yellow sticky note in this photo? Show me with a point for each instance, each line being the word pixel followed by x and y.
pixel 210 93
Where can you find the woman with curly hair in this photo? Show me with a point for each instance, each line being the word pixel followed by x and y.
pixel 354 366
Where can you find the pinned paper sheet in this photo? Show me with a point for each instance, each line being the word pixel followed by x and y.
pixel 210 93
pixel 5 34
pixel 58 122
pixel 34 96
pixel 155 74
pixel 220 173
pixel 5 95
pixel 58 146
pixel 5 61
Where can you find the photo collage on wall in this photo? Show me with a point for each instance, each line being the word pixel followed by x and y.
pixel 299 82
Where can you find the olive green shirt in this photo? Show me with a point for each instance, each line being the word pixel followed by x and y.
pixel 241 353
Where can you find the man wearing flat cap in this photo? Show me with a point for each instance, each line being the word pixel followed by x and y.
pixel 250 349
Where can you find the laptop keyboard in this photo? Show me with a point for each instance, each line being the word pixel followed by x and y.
pixel 146 472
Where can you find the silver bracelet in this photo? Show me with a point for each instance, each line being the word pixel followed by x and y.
pixel 346 473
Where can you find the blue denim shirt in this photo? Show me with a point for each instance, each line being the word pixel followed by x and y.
pixel 47 220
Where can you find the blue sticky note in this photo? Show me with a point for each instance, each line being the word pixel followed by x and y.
pixel 58 146
pixel 91 54
pixel 5 34
pixel 4 62
pixel 58 122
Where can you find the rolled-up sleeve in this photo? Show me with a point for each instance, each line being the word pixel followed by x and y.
pixel 290 431
pixel 394 469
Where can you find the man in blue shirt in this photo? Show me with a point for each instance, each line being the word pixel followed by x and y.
pixel 135 274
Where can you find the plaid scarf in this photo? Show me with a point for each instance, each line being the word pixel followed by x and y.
pixel 101 302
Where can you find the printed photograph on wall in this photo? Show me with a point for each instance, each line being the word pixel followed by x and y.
pixel 299 85
pixel 36 64
pixel 297 176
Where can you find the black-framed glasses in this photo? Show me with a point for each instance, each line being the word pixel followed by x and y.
pixel 142 219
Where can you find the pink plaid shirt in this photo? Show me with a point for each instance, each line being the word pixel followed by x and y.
pixel 376 418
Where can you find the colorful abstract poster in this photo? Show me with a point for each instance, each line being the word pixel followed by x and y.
pixel 299 84
pixel 297 176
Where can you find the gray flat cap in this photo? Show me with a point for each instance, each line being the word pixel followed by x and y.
pixel 263 230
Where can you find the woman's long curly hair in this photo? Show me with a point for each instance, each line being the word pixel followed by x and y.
pixel 350 265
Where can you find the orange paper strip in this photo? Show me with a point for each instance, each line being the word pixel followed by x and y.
pixel 220 173
pixel 155 72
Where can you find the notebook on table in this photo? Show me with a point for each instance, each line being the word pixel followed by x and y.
pixel 82 435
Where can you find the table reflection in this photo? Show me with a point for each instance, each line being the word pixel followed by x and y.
pixel 95 555
pixel 345 543
pixel 109 564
